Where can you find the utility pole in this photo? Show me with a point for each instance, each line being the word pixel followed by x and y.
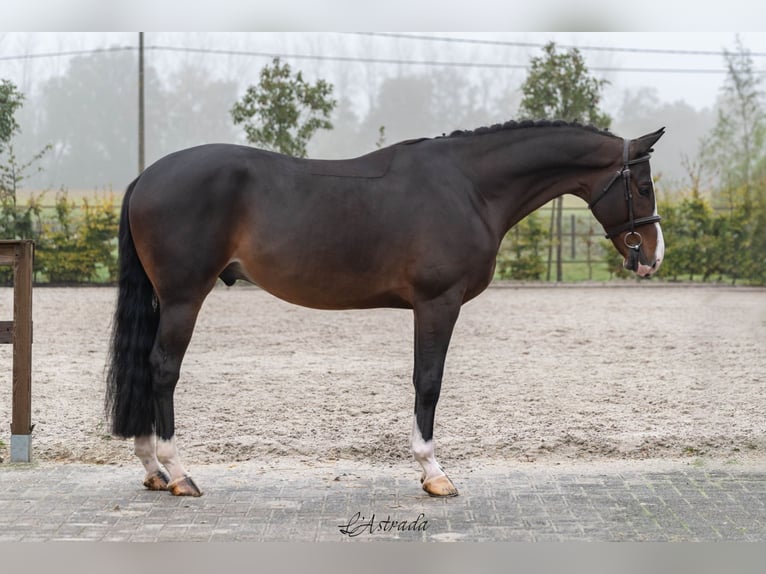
pixel 141 163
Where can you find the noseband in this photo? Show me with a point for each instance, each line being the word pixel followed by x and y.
pixel 633 239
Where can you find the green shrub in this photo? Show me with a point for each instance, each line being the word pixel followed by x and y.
pixel 703 244
pixel 78 246
pixel 519 256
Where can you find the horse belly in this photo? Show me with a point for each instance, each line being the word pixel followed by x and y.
pixel 324 280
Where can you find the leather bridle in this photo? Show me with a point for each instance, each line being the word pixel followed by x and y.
pixel 633 239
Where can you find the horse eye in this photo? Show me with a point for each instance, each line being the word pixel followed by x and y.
pixel 645 191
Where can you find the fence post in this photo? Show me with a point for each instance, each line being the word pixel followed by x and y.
pixel 20 254
pixel 573 232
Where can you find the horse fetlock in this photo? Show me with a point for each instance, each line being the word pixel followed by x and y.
pixel 157 481
pixel 422 450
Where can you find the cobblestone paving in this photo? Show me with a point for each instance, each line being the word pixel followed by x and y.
pixel 242 502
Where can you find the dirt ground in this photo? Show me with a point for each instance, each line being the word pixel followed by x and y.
pixel 543 375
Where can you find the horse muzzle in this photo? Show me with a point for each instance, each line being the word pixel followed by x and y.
pixel 640 269
pixel 636 260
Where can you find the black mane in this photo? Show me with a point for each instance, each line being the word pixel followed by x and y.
pixel 512 125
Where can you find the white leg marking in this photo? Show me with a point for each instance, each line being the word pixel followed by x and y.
pixel 424 454
pixel 145 448
pixel 167 452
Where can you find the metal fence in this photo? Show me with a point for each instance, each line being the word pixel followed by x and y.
pixel 575 250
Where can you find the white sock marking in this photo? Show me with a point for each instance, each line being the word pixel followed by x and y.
pixel 167 453
pixel 424 453
pixel 145 448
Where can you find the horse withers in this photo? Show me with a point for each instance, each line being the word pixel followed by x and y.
pixel 416 225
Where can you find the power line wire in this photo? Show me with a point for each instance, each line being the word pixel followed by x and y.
pixel 356 59
pixel 68 53
pixel 518 44
pixel 397 61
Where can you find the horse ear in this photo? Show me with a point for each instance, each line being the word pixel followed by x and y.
pixel 644 143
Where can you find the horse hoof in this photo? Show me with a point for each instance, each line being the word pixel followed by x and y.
pixel 158 481
pixel 184 486
pixel 439 486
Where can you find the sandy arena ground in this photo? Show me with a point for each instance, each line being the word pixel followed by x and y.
pixel 543 375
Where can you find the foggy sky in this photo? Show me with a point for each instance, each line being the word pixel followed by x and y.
pixel 638 97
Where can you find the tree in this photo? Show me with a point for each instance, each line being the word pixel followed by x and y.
pixel 736 153
pixel 284 111
pixel 90 116
pixel 344 139
pixel 403 104
pixel 10 101
pixel 737 143
pixel 642 111
pixel 559 87
pixel 193 104
pixel 16 222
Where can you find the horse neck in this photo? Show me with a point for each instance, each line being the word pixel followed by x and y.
pixel 519 170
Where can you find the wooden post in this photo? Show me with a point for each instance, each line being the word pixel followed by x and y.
pixel 20 254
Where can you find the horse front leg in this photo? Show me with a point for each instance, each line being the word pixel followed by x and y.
pixel 434 322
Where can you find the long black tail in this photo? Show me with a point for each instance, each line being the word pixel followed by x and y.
pixel 129 401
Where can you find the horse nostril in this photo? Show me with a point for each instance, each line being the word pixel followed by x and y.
pixel 654 265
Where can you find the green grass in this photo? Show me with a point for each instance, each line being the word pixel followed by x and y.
pixel 577 272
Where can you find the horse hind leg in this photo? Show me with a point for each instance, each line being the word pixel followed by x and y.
pixel 173 336
pixel 145 448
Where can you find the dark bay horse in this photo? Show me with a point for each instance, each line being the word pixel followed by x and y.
pixel 416 225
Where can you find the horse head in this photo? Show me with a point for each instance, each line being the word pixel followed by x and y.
pixel 626 206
